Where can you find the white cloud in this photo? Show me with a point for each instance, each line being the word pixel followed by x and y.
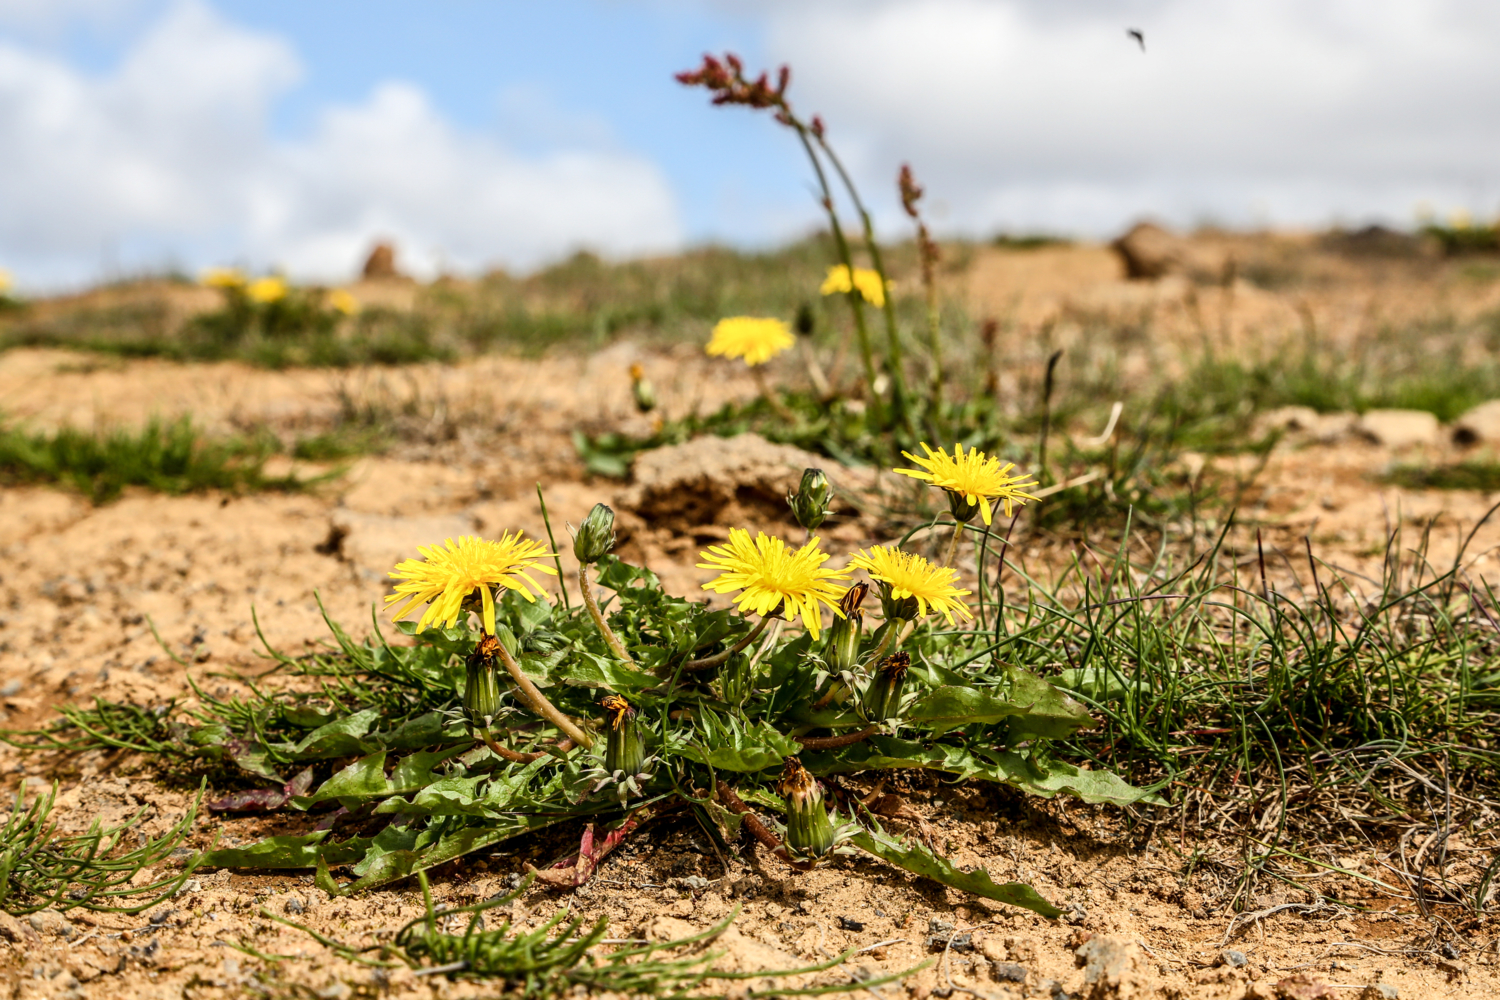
pixel 1043 114
pixel 170 156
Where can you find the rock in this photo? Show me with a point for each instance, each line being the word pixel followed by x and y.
pixel 695 883
pixel 712 480
pixel 381 264
pixel 1379 991
pixel 10 687
pixel 1398 428
pixel 850 924
pixel 1148 251
pixel 1304 987
pixel 14 931
pixel 1333 427
pixel 51 922
pixel 1007 972
pixel 1378 241
pixel 1233 959
pixel 1287 419
pixel 1481 425
pixel 375 543
pixel 1109 968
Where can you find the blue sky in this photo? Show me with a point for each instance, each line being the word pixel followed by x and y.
pixel 142 134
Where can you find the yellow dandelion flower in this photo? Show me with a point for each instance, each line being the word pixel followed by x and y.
pixel 451 574
pixel 5 282
pixel 342 300
pixel 768 573
pixel 904 576
pixel 868 282
pixel 223 277
pixel 974 477
pixel 266 290
pixel 755 339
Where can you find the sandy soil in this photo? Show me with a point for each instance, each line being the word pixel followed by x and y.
pixel 79 584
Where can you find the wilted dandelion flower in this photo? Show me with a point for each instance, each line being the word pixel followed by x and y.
pixel 453 571
pixel 753 338
pixel 975 477
pixel 768 573
pixel 223 277
pixel 343 301
pixel 905 576
pixel 868 282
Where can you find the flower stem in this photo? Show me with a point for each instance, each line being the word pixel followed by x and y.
pixel 505 752
pixel 562 581
pixel 539 703
pixel 772 398
pixel 717 658
pixel 835 742
pixel 757 829
pixel 958 530
pixel 613 641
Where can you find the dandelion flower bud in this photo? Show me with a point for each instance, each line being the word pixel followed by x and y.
pixel 643 391
pixel 623 752
pixel 844 633
pixel 809 831
pixel 810 502
pixel 883 694
pixel 595 537
pixel 482 684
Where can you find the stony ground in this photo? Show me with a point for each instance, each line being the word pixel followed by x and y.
pixel 80 585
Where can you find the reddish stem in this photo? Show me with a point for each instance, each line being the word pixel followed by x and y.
pixel 835 742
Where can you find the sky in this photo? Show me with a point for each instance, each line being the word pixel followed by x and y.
pixel 145 135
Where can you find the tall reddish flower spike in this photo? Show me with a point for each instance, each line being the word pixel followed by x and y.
pixel 911 191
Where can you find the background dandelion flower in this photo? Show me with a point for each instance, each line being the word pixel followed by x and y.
pixel 767 573
pixel 266 290
pixel 871 288
pixel 903 576
pixel 447 574
pixel 975 477
pixel 755 339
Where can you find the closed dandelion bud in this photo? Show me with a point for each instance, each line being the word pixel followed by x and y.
pixel 623 751
pixel 810 502
pixel 883 694
pixel 595 537
pixel 844 633
pixel 898 608
pixel 482 684
pixel 959 506
pixel 809 832
pixel 642 390
pixel 804 324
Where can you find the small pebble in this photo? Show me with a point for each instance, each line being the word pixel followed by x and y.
pixel 850 924
pixel 1233 959
pixel 1008 972
pixel 695 883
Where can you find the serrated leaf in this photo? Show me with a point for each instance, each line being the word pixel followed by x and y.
pixel 1051 714
pixel 272 852
pixel 732 748
pixel 341 738
pixel 919 860
pixel 949 707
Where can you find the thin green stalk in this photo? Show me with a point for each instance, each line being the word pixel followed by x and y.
pixel 562 581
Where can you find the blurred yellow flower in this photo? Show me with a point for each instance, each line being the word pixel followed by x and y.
pixel 5 282
pixel 976 477
pixel 752 338
pixel 266 290
pixel 342 300
pixel 450 575
pixel 223 277
pixel 868 282
pixel 769 574
pixel 903 576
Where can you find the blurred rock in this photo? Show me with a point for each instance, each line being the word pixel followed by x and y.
pixel 1288 419
pixel 373 544
pixel 1398 428
pixel 1007 972
pixel 51 922
pixel 1149 251
pixel 381 264
pixel 1481 425
pixel 1379 991
pixel 713 480
pixel 1110 969
pixel 1333 427
pixel 1378 241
